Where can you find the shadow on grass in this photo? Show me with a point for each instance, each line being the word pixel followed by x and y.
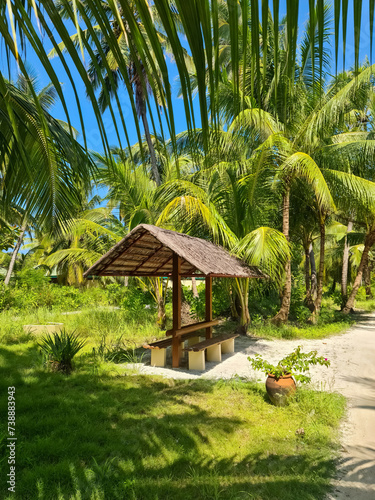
pixel 255 477
pixel 131 437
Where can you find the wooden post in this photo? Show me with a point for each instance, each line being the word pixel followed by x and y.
pixel 208 305
pixel 176 279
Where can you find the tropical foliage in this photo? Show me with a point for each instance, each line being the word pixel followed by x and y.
pixel 280 171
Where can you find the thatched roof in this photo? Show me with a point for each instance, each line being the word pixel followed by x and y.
pixel 148 250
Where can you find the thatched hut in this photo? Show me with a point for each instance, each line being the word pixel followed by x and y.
pixel 152 251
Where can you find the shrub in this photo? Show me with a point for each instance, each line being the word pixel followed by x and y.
pixel 60 349
pixel 24 296
pixel 116 293
pixel 135 300
pixel 220 299
pixel 32 278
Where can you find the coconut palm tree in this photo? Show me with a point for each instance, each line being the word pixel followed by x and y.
pixel 109 66
pixel 218 201
pixel 199 21
pixel 132 196
pixel 41 181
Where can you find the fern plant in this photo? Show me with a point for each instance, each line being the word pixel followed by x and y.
pixel 60 349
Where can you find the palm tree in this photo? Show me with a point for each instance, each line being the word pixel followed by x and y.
pixel 109 66
pixel 218 201
pixel 39 177
pixel 199 20
pixel 355 195
pixel 133 197
pixel 84 241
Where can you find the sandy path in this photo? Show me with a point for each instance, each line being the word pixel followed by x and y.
pixel 352 373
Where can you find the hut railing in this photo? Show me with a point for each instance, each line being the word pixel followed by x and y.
pixel 192 328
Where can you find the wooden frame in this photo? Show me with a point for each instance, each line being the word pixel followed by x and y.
pixel 193 327
pixel 176 279
pixel 177 330
pixel 150 251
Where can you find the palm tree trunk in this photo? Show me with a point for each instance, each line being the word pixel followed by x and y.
pixel 307 269
pixel 160 303
pixel 319 296
pixel 309 301
pixel 318 302
pixel 283 314
pixel 367 276
pixel 243 295
pixel 345 265
pixel 369 241
pixel 154 167
pixel 314 284
pixel 194 288
pixel 14 255
pixel 233 300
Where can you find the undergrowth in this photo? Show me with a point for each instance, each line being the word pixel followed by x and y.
pixel 102 433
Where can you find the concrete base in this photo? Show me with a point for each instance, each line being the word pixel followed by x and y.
pixel 181 350
pixel 196 361
pixel 193 340
pixel 227 346
pixel 158 357
pixel 214 353
pixel 49 328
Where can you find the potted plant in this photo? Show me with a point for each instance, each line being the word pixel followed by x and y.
pixel 281 378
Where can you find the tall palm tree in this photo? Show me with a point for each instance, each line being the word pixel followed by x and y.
pixel 41 180
pixel 109 66
pixel 218 201
pixel 133 197
pixel 199 20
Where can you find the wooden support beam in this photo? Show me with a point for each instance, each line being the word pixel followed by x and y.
pixel 192 328
pixel 148 257
pixel 208 294
pixel 117 254
pixel 176 279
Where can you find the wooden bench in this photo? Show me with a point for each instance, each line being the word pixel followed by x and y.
pixel 214 348
pixel 159 347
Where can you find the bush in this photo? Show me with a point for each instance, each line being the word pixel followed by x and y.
pixel 28 295
pixel 135 301
pixel 6 298
pixel 116 293
pixel 60 349
pixel 220 299
pixel 32 278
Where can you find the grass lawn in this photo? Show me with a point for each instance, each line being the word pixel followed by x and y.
pixel 102 433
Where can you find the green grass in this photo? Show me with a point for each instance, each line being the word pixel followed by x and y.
pixel 365 305
pixel 290 331
pixel 104 433
pixel 114 329
pixel 92 324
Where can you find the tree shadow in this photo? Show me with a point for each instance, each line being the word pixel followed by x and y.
pixel 119 436
pixel 356 477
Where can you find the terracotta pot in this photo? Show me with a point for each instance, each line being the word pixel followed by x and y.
pixel 280 389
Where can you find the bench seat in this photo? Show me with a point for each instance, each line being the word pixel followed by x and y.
pixel 214 347
pixel 159 347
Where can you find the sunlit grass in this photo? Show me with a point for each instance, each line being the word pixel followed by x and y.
pixel 92 324
pixel 106 433
pixel 290 331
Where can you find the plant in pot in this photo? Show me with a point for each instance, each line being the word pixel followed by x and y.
pixel 282 377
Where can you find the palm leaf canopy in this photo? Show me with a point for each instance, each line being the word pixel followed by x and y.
pixel 43 168
pixel 30 22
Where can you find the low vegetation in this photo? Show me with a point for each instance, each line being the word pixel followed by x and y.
pixel 109 433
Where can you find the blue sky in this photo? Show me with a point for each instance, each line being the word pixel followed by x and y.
pixel 92 131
